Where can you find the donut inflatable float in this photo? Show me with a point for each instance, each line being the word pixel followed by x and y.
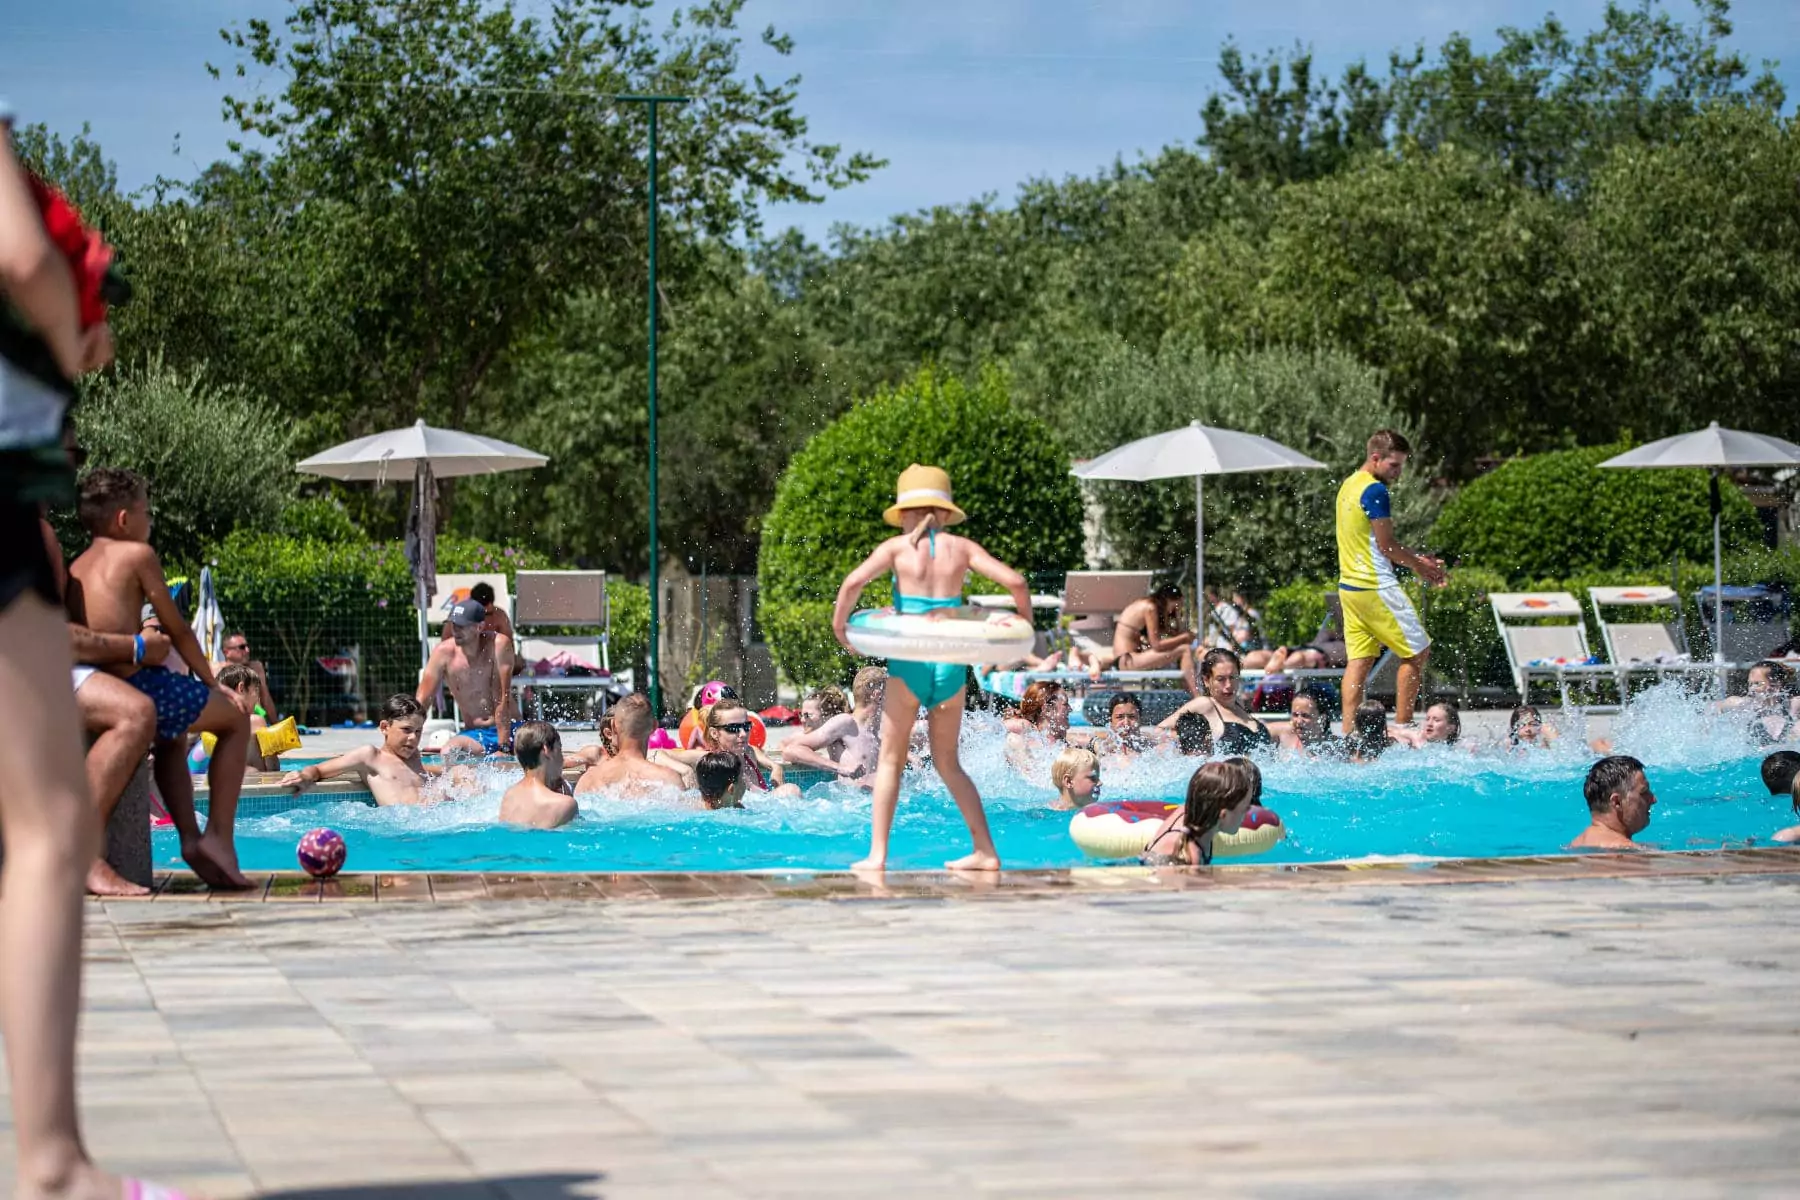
pixel 1122 828
pixel 965 635
pixel 687 737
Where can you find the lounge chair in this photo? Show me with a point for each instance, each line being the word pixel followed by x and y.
pixel 1756 621
pixel 1557 652
pixel 565 600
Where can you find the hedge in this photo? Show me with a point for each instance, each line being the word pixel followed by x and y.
pixel 1010 475
pixel 300 599
pixel 1561 514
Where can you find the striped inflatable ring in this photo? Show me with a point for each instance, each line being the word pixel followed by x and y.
pixel 967 635
pixel 1122 828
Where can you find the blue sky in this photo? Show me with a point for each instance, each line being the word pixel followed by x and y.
pixel 963 97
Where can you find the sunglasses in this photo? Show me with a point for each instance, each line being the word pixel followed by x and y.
pixel 735 727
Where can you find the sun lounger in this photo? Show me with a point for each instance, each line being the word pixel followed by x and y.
pixel 1094 600
pixel 1756 621
pixel 1557 652
pixel 564 662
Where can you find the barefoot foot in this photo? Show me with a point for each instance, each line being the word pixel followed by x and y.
pixel 102 880
pixel 215 863
pixel 974 862
pixel 871 863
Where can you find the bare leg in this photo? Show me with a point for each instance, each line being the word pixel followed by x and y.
pixel 898 708
pixel 224 779
pixel 944 726
pixel 1190 671
pixel 47 819
pixel 1356 678
pixel 1406 686
pixel 123 723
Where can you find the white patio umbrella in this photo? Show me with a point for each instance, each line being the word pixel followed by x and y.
pixel 1716 450
pixel 426 454
pixel 1197 450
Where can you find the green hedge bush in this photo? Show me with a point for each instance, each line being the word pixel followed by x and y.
pixel 1010 474
pixel 1560 514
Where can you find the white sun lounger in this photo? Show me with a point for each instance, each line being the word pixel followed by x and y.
pixel 1557 652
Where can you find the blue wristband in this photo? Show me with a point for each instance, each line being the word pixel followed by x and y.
pixel 137 648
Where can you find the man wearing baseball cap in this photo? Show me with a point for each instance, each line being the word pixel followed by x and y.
pixel 480 680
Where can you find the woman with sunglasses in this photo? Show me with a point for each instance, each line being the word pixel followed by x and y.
pixel 724 727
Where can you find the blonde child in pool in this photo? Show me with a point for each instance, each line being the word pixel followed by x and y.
pixel 929 569
pixel 1076 777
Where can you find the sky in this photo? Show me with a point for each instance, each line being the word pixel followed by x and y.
pixel 962 97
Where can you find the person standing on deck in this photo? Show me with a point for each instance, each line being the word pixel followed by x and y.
pixel 1377 612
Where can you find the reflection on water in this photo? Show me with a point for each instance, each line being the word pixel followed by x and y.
pixel 1441 801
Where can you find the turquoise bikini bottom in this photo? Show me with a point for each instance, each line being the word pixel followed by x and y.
pixel 932 683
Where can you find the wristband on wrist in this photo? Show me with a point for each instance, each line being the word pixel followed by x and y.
pixel 137 648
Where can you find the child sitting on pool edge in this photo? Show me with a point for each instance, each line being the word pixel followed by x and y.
pixel 929 569
pixel 541 800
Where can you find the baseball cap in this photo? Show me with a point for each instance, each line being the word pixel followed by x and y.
pixel 467 612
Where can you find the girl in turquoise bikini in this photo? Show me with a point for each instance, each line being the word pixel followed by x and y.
pixel 929 568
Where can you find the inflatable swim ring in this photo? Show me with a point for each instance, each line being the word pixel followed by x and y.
pixel 971 636
pixel 1122 828
pixel 687 737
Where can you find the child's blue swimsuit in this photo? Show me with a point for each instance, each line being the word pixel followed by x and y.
pixel 933 683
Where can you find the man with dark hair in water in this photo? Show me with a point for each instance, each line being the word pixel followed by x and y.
pixel 1779 770
pixel 1619 801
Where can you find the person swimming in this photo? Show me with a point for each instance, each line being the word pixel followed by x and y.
pixel 1219 796
pixel 1234 730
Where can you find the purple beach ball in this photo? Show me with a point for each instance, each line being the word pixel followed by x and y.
pixel 322 853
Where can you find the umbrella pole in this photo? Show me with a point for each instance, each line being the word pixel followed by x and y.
pixel 1718 586
pixel 1202 609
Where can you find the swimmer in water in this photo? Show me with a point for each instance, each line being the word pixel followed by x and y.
pixel 929 568
pixel 1619 801
pixel 846 745
pixel 392 771
pixel 1234 730
pixel 1219 796
pixel 1076 777
pixel 1442 726
pixel 1791 834
pixel 720 777
pixel 541 800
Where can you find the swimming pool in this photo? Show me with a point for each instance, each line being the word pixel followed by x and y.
pixel 1433 803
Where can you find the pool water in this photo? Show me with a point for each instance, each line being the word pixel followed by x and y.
pixel 1439 802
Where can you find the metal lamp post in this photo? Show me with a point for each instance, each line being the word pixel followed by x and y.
pixel 651 103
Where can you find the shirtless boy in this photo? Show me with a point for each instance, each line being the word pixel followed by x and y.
pixel 627 765
pixel 846 745
pixel 392 771
pixel 478 670
pixel 245 689
pixel 541 800
pixel 108 585
pixel 929 569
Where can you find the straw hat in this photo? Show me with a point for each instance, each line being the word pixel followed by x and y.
pixel 923 487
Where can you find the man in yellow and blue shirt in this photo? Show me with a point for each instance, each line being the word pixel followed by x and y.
pixel 1377 611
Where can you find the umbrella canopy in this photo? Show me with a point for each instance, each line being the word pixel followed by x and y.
pixel 426 454
pixel 449 452
pixel 1197 450
pixel 1714 449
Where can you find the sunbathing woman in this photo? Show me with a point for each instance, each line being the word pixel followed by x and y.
pixel 1234 730
pixel 1219 795
pixel 1150 636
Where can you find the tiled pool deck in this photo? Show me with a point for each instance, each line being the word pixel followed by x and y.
pixel 1622 1026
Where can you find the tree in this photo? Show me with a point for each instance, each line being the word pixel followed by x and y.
pixel 1694 266
pixel 1260 129
pixel 458 170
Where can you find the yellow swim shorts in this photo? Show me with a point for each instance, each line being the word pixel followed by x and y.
pixel 1383 617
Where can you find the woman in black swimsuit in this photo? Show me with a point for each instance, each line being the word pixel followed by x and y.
pixel 1219 794
pixel 1234 730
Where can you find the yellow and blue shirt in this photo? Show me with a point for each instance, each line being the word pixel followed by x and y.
pixel 1361 565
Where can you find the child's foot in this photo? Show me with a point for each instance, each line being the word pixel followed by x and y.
pixel 1049 664
pixel 89 1182
pixel 215 863
pixel 871 863
pixel 977 861
pixel 102 880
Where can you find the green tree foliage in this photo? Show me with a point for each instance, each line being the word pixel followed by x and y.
pixel 1696 258
pixel 1559 514
pixel 217 457
pixel 1261 530
pixel 1011 476
pixel 1439 269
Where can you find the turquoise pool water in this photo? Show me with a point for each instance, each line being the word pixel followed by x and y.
pixel 1433 803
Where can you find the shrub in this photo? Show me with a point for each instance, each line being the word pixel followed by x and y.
pixel 217 459
pixel 320 519
pixel 1010 474
pixel 1559 514
pixel 1292 613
